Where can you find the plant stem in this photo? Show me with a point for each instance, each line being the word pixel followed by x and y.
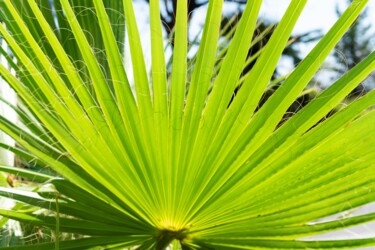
pixel 175 245
pixel 57 230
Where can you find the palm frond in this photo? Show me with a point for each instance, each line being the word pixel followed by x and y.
pixel 153 167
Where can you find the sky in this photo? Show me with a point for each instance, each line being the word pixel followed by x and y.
pixel 318 14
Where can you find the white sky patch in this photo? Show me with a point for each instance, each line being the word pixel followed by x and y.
pixel 317 15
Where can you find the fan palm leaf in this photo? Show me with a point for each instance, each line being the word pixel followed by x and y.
pixel 151 167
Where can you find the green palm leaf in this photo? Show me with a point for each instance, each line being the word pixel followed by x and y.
pixel 151 167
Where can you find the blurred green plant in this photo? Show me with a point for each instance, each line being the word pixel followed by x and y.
pixel 53 12
pixel 150 167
